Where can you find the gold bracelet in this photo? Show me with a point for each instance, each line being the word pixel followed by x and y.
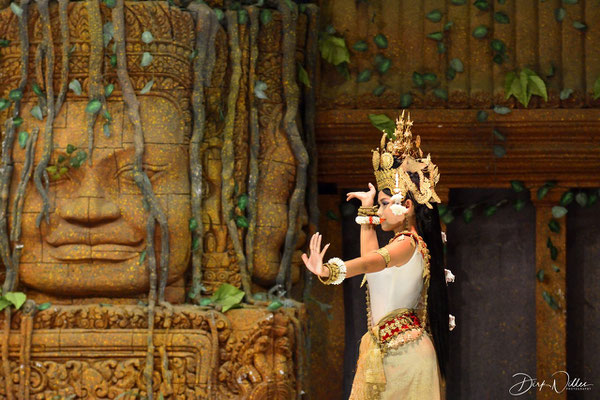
pixel 367 211
pixel 383 252
pixel 331 269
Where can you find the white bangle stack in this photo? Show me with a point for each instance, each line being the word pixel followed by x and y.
pixel 368 220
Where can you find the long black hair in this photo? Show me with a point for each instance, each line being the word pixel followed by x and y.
pixel 429 228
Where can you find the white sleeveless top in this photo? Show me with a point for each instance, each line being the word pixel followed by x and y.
pixel 396 287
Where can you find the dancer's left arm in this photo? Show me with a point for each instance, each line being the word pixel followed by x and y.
pixel 400 254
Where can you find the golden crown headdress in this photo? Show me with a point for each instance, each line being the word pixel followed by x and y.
pixel 402 145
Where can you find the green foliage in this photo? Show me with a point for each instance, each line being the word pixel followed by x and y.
pixel 596 90
pixel 436 36
pixel 227 296
pixel 16 299
pixel 75 86
pixel 560 14
pixel 266 16
pixel 405 100
pixel 383 123
pixel 544 189
pixel 274 305
pixel 483 5
pixel 482 116
pixel 23 136
pixel 4 104
pixel 147 37
pixel 93 106
pixel 554 226
pixel 550 300
pixel 501 18
pixel 457 65
pixel 499 150
pixel 498 135
pixel 333 49
pixel 582 26
pixel 517 186
pixel 434 16
pixel 523 85
pixel 332 216
pixel 566 198
pixel 565 94
pixel 4 43
pixel 441 93
pixel 361 46
pixel 540 275
pixel 363 76
pixel 15 95
pixel 147 87
pixel 519 204
pixel 241 221
pixel 146 59
pixel 559 211
pixel 381 41
pixel 480 32
pixel 378 91
pixel 36 112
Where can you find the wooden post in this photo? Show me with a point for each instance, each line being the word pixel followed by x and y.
pixel 551 320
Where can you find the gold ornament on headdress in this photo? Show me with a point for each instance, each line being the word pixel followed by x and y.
pixel 402 146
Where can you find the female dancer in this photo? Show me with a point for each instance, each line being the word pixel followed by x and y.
pixel 404 353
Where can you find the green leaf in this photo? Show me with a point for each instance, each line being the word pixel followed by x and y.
pixel 480 32
pixel 4 43
pixel 559 211
pixel 551 71
pixel 482 116
pixel 147 87
pixel 361 45
pixel 383 123
pixel 560 14
pixel 436 36
pixel 483 5
pixel 206 302
pixel 333 49
pixel 195 244
pixel 565 94
pixel 227 296
pixel 4 303
pixel 243 202
pixel 193 54
pixel 331 215
pixel 37 90
pixel 109 89
pixel 570 1
pixel 537 86
pixel 566 198
pixel 502 110
pixel 146 59
pixel 540 275
pixel 219 14
pixel 448 217
pixel 142 256
pixel 498 59
pixel 501 17
pixel 458 2
pixel 519 204
pixel 450 73
pixel 596 94
pixel 378 91
pixel 18 11
pixel 274 305
pixel 17 121
pixel 581 199
pixel 430 77
pixel 384 66
pixel 16 298
pixel 93 106
pixel 303 75
pixel 517 186
pixel 498 135
pixel 43 306
pixel 23 136
pixel 448 25
pixel 550 300
pixel 36 111
pixel 70 148
pixel 405 100
pixel 579 25
pixel 434 16
pixel 241 221
pixel 498 45
pixel 417 79
pixel 4 104
pixel 553 253
pixel 554 226
pixel 490 210
pixel 457 65
pixel 381 41
pixel 542 192
pixel 379 58
pixel 110 3
pixel 242 17
pixel 15 95
pixel 265 16
pixel 441 47
pixel 592 199
pixel 441 93
pixel 147 37
pixel 75 86
pixel 193 224
pixel 467 215
pixel 106 129
pixel 364 76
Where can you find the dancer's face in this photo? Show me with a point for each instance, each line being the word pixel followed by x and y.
pixel 96 233
pixel 389 220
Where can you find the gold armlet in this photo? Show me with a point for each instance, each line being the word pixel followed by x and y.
pixel 383 252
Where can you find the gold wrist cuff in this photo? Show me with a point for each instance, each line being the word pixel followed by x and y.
pixel 367 211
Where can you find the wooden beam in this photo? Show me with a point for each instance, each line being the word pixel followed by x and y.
pixel 541 145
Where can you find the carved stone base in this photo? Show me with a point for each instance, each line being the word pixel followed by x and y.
pixel 99 352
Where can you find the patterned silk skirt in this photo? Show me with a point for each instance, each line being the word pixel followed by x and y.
pixel 400 365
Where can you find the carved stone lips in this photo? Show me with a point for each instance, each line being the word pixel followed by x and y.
pixel 83 252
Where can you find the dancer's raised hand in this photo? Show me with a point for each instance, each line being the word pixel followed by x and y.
pixel 314 263
pixel 366 198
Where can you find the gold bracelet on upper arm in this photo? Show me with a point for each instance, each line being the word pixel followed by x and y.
pixel 383 252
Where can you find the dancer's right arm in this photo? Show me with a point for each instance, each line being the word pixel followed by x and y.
pixel 368 237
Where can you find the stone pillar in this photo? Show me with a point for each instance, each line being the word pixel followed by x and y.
pixel 551 308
